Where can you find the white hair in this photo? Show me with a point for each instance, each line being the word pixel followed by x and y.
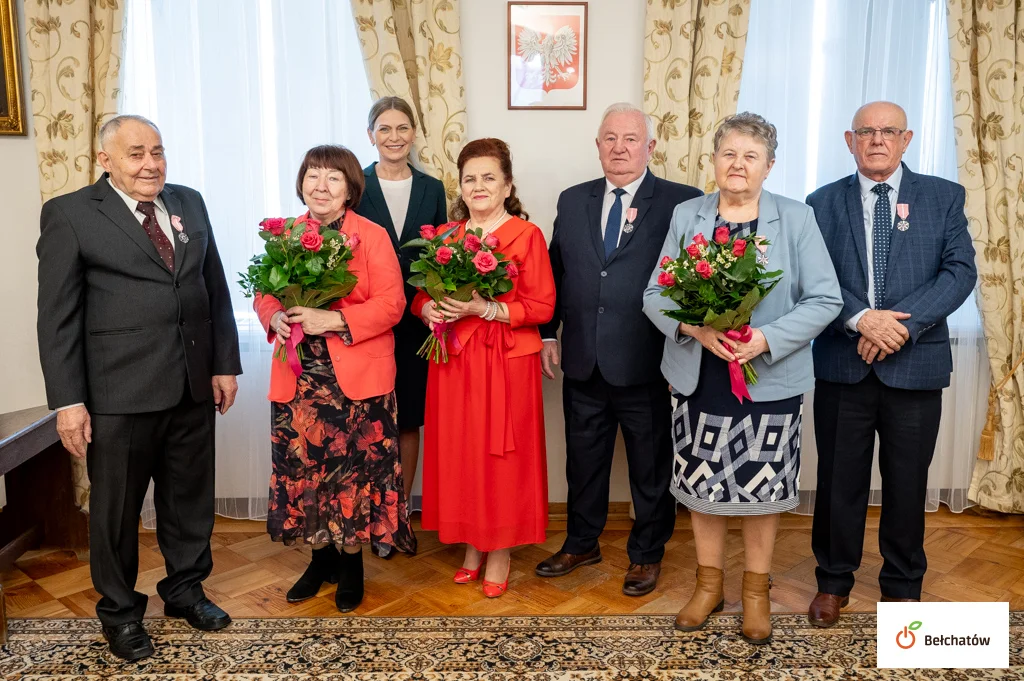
pixel 627 108
pixel 114 124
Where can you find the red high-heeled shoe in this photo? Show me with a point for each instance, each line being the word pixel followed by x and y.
pixel 494 589
pixel 464 576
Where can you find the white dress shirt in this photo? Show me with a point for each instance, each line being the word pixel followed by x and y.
pixel 868 200
pixel 162 219
pixel 396 195
pixel 627 200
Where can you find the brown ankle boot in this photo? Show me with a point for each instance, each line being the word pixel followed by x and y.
pixel 708 597
pixel 757 607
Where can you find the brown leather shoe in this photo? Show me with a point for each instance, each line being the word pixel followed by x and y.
pixel 708 597
pixel 757 608
pixel 641 579
pixel 824 610
pixel 886 599
pixel 563 563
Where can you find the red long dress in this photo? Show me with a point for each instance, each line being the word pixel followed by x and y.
pixel 484 458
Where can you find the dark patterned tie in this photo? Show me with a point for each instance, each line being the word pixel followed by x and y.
pixel 881 235
pixel 155 234
pixel 614 224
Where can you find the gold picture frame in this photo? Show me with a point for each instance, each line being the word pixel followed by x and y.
pixel 12 119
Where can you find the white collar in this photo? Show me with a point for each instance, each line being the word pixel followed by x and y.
pixel 866 183
pixel 630 188
pixel 133 204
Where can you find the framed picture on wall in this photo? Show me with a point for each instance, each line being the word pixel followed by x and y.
pixel 11 120
pixel 547 55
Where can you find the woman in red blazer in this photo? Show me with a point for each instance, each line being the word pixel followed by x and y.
pixel 337 475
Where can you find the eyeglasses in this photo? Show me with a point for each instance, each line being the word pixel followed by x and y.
pixel 887 133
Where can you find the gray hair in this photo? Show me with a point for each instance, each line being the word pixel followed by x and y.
pixel 627 108
pixel 751 124
pixel 114 124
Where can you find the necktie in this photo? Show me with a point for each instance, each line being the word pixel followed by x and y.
pixel 155 234
pixel 614 224
pixel 881 235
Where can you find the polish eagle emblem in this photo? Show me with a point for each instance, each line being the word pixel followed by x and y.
pixel 557 51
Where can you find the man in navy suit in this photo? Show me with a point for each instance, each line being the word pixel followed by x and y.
pixel 905 261
pixel 607 237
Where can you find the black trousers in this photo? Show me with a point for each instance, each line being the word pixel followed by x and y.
pixel 846 418
pixel 594 410
pixel 174 448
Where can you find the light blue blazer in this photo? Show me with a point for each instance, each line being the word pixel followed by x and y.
pixel 806 300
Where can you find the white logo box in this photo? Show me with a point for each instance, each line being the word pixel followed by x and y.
pixel 944 635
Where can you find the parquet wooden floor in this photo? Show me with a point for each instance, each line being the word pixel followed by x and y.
pixel 972 557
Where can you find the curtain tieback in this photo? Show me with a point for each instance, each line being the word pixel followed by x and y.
pixel 987 445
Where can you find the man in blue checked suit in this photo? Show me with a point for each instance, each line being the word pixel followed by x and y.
pixel 905 262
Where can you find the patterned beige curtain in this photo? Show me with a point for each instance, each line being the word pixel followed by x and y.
pixel 412 49
pixel 986 44
pixel 693 55
pixel 74 48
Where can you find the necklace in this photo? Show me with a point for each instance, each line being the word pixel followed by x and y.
pixel 493 224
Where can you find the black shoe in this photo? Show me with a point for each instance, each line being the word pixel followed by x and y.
pixel 129 641
pixel 323 568
pixel 202 615
pixel 350 582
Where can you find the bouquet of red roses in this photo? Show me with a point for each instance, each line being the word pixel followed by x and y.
pixel 303 265
pixel 718 284
pixel 454 269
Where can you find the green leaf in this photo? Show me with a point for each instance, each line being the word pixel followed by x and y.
pixel 266 236
pixel 915 625
pixel 464 293
pixel 315 266
pixel 416 243
pixel 417 281
pixel 419 266
pixel 277 277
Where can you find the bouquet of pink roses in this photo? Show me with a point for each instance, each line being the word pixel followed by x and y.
pixel 303 264
pixel 455 269
pixel 718 284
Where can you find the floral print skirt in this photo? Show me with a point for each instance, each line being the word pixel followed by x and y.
pixel 337 474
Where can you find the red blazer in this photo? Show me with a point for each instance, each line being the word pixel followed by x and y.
pixel 532 299
pixel 367 367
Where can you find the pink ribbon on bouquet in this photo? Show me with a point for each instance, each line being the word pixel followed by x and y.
pixel 291 348
pixel 739 383
pixel 441 330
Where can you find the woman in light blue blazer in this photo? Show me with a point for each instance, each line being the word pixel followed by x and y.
pixel 732 458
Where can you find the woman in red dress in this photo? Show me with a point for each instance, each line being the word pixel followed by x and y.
pixel 484 462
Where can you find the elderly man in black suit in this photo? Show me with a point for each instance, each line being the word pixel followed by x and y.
pixel 607 237
pixel 139 348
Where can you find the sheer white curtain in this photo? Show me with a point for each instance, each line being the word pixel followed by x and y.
pixel 240 90
pixel 809 64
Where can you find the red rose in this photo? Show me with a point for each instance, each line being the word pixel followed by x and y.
pixel 273 225
pixel 664 261
pixel 443 255
pixel 312 223
pixel 428 232
pixel 311 241
pixel 666 279
pixel 484 262
pixel 700 240
pixel 472 243
pixel 704 269
pixel 353 241
pixel 512 269
pixel 739 248
pixel 693 250
pixel 722 235
pixel 491 241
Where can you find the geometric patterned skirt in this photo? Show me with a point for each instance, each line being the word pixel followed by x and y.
pixel 337 475
pixel 734 459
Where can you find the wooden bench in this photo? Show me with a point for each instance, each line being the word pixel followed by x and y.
pixel 40 508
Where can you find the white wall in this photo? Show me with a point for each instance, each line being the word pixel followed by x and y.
pixel 553 150
pixel 21 380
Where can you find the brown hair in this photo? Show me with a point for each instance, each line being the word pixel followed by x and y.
pixel 389 104
pixel 489 147
pixel 334 157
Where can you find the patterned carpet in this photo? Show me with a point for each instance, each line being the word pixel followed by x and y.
pixel 619 647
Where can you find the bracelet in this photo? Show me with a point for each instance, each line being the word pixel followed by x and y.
pixel 494 312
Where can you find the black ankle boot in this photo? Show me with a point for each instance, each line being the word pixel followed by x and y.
pixel 350 582
pixel 323 568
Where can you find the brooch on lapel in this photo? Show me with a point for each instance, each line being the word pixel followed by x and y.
pixel 762 250
pixel 903 210
pixel 179 228
pixel 630 216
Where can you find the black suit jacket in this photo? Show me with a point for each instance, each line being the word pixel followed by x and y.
pixel 117 329
pixel 599 303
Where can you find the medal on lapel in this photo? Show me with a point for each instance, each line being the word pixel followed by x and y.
pixel 179 228
pixel 903 210
pixel 630 216
pixel 762 250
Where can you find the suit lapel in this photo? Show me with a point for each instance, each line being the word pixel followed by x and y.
pixel 419 188
pixel 768 223
pixel 642 202
pixel 905 194
pixel 855 214
pixel 375 194
pixel 173 206
pixel 114 207
pixel 594 216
